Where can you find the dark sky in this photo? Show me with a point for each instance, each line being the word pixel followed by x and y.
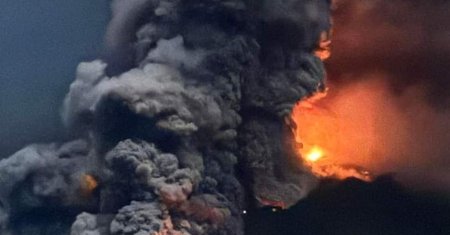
pixel 41 43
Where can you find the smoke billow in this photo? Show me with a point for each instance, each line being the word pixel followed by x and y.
pixel 187 90
pixel 389 83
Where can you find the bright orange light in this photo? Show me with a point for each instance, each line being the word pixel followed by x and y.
pixel 330 132
pixel 329 139
pixel 315 154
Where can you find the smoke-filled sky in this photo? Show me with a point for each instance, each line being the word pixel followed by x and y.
pixel 406 40
pixel 389 68
pixel 41 43
pixel 399 43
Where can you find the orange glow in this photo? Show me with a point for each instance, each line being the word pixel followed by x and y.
pixel 271 203
pixel 365 130
pixel 329 137
pixel 315 154
pixel 88 184
pixel 323 50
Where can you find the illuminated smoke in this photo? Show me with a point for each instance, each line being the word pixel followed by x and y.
pixel 187 90
pixel 405 40
pixel 387 108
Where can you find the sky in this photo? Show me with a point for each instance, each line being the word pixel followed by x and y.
pixel 41 43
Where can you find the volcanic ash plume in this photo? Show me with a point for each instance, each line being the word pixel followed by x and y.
pixel 188 90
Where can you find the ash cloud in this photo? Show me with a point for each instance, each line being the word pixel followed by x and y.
pixel 188 93
pixel 43 178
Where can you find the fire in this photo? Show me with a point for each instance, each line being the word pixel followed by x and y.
pixel 315 154
pixel 324 140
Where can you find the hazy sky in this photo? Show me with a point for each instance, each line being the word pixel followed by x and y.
pixel 41 43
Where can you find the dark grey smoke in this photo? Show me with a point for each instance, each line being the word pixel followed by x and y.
pixel 190 92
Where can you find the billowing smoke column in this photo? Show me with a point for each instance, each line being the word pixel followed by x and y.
pixel 188 90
